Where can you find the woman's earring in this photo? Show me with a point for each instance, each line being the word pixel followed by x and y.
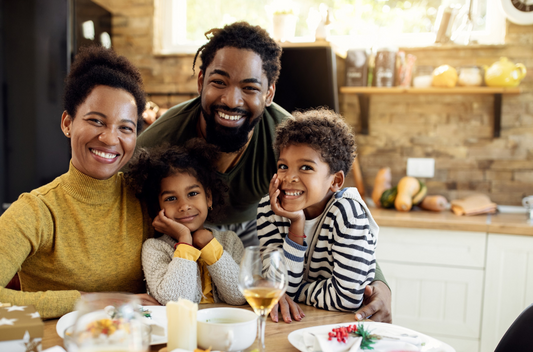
pixel 210 208
pixel 68 134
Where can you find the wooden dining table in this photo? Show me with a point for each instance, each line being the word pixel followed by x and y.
pixel 276 334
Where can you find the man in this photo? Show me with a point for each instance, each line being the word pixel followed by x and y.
pixel 235 111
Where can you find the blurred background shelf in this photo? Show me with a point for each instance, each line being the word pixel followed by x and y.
pixel 364 98
pixel 431 90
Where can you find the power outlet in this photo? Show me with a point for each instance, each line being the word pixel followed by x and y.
pixel 421 167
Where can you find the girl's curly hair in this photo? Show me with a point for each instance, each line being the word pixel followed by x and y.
pixel 151 165
pixel 323 130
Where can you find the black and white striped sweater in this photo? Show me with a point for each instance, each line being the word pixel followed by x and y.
pixel 337 262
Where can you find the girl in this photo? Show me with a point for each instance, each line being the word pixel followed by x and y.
pixel 181 189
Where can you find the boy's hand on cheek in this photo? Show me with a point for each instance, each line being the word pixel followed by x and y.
pixel 275 204
pixel 201 237
pixel 172 228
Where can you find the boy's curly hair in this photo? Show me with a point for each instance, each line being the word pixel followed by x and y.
pixel 242 35
pixel 151 165
pixel 95 65
pixel 323 130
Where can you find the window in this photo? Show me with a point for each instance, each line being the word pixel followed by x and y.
pixel 182 23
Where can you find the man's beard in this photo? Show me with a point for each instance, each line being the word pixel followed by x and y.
pixel 228 139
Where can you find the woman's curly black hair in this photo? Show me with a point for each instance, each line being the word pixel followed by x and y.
pixel 324 131
pixel 242 35
pixel 94 66
pixel 197 158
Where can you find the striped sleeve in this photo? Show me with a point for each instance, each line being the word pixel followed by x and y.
pixel 272 232
pixel 343 262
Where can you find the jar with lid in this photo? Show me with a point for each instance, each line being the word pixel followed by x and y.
pixel 470 76
pixel 423 76
pixel 385 67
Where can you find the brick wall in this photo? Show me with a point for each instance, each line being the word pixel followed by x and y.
pixel 455 130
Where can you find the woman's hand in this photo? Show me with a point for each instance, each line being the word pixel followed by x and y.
pixel 287 307
pixel 376 303
pixel 147 300
pixel 275 204
pixel 144 298
pixel 201 237
pixel 174 229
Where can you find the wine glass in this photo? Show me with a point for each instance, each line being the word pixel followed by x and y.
pixel 108 322
pixel 263 280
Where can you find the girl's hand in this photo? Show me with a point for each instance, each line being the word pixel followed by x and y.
pixel 201 237
pixel 275 204
pixel 174 229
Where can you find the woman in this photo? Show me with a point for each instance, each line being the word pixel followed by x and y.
pixel 83 232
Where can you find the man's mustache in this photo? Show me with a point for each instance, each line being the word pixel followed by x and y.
pixel 228 109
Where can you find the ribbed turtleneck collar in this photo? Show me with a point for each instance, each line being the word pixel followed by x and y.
pixel 90 190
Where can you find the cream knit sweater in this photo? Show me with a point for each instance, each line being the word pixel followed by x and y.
pixel 170 277
pixel 73 234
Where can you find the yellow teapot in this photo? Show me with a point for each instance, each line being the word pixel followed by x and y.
pixel 504 73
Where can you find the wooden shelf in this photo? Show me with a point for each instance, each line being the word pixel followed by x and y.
pixel 364 92
pixel 431 90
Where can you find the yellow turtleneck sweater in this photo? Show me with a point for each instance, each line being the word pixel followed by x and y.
pixel 73 234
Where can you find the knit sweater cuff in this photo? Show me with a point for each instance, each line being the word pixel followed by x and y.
pixel 187 252
pixel 212 252
pixel 294 251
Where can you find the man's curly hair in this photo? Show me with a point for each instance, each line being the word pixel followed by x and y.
pixel 94 66
pixel 242 35
pixel 324 131
pixel 197 158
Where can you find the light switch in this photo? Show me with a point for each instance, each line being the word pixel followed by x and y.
pixel 421 167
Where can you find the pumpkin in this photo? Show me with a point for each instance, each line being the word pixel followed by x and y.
pixel 408 187
pixel 381 183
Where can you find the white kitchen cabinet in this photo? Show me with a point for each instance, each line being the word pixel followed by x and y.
pixel 508 285
pixel 436 278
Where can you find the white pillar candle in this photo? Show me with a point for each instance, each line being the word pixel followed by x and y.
pixel 181 328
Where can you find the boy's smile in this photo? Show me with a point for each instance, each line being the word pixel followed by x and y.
pixel 306 182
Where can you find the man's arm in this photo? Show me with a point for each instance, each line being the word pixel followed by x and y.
pixel 377 301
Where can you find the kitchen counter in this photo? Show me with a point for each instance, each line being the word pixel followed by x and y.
pixel 503 223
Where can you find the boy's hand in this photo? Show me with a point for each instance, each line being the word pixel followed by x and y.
pixel 174 229
pixel 201 237
pixel 288 308
pixel 275 204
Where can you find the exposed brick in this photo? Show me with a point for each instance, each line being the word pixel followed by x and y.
pixel 466 175
pixel 456 130
pixel 524 176
pixel 498 175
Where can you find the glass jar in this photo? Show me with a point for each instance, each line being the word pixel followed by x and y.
pixel 423 76
pixel 470 76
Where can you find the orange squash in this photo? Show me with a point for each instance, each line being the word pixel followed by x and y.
pixel 381 184
pixel 407 188
pixel 434 203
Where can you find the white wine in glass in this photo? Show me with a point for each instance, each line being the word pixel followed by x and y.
pixel 263 280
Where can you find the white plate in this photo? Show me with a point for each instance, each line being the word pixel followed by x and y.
pixel 159 316
pixel 430 344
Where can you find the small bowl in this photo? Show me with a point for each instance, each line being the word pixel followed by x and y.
pixel 226 329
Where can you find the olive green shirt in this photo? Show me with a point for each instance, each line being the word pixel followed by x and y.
pixel 249 180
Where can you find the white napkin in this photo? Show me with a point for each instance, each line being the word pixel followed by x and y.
pixel 157 330
pixel 319 342
pixel 385 345
pixel 389 342
pixel 55 349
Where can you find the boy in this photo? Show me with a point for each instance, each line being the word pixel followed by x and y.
pixel 326 232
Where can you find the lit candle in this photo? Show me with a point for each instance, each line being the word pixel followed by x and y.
pixel 181 328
